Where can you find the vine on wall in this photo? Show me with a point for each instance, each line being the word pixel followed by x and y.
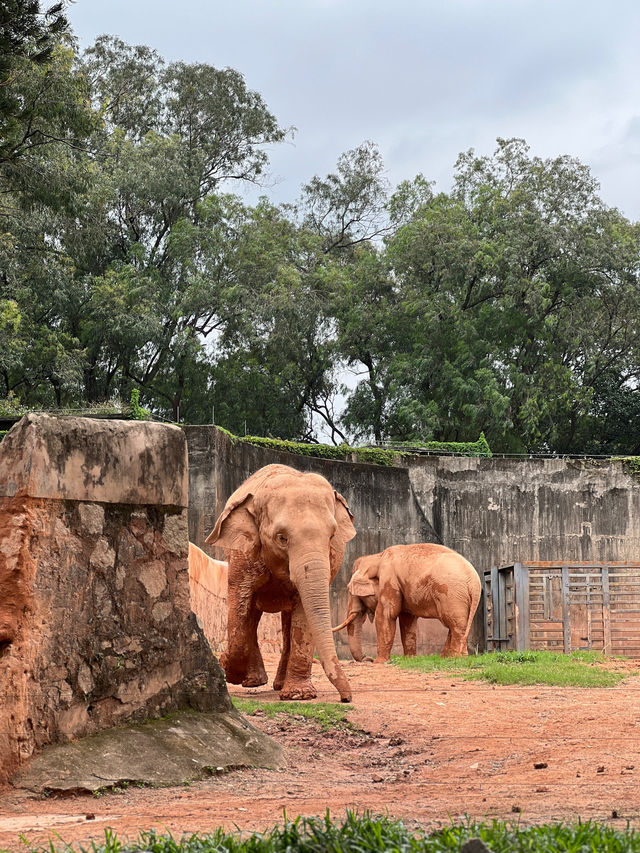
pixel 368 455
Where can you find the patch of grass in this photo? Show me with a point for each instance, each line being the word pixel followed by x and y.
pixel 328 715
pixel 359 833
pixel 578 669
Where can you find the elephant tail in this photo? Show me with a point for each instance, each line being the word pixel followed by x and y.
pixel 475 591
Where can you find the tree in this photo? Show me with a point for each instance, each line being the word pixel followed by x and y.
pixel 348 207
pixel 28 37
pixel 143 239
pixel 520 283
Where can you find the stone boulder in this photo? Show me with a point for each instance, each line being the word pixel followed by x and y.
pixel 96 627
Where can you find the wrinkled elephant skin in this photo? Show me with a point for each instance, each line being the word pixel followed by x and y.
pixel 405 582
pixel 284 534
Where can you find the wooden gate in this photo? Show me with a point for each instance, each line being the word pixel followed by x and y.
pixel 563 607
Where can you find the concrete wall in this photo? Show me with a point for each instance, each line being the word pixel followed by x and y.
pixel 493 511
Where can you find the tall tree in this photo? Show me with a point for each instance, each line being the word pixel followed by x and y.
pixel 520 284
pixel 28 36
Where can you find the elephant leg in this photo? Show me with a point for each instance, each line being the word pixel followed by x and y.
pixel 242 658
pixel 278 681
pixel 256 673
pixel 387 612
pixel 297 682
pixel 409 633
pixel 455 642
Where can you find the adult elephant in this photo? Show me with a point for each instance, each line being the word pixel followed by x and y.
pixel 405 582
pixel 284 534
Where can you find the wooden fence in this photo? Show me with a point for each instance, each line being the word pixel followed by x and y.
pixel 563 606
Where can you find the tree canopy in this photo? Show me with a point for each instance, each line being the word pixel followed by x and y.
pixel 509 304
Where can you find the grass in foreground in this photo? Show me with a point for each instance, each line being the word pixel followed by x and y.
pixel 360 833
pixel 328 715
pixel 578 669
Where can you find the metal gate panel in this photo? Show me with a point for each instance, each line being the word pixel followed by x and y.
pixel 564 606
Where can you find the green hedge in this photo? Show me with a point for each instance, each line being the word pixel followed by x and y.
pixel 368 455
pixel 460 448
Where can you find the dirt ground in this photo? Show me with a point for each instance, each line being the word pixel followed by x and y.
pixel 430 749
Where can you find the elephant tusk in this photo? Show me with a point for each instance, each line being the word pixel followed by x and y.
pixel 346 622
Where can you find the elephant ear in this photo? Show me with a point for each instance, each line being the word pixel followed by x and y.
pixel 236 528
pixel 362 586
pixel 343 515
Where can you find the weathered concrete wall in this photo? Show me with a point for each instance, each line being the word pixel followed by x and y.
pixel 95 621
pixel 493 511
pixel 208 579
pixel 499 511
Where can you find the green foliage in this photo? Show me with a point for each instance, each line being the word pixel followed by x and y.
pixel 365 832
pixel 512 283
pixel 328 715
pixel 509 305
pixel 369 455
pixel 28 36
pixel 578 669
pixel 12 407
pixel 460 448
pixel 137 411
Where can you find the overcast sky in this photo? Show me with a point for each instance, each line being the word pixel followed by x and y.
pixel 424 79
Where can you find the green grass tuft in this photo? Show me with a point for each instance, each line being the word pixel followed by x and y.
pixel 578 669
pixel 328 715
pixel 369 834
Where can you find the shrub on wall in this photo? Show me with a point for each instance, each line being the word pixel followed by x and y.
pixel 138 413
pixel 459 448
pixel 369 455
pixel 631 464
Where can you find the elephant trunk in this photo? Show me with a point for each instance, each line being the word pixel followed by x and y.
pixel 354 630
pixel 311 577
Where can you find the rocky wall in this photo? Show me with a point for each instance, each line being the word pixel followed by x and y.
pixel 96 627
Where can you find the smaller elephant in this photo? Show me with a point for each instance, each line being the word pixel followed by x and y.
pixel 405 582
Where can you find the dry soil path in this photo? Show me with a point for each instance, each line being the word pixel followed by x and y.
pixel 430 749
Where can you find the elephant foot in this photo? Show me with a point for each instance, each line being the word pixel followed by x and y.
pixel 382 660
pixel 298 690
pixel 278 682
pixel 254 680
pixel 234 674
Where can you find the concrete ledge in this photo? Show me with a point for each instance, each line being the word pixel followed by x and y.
pixel 104 461
pixel 179 748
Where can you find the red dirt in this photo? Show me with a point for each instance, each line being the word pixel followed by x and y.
pixel 433 749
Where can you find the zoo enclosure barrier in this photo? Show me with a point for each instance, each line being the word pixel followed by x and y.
pixel 563 606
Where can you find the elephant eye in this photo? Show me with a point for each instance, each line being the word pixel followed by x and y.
pixel 282 538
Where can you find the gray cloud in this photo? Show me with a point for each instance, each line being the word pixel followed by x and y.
pixel 425 79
